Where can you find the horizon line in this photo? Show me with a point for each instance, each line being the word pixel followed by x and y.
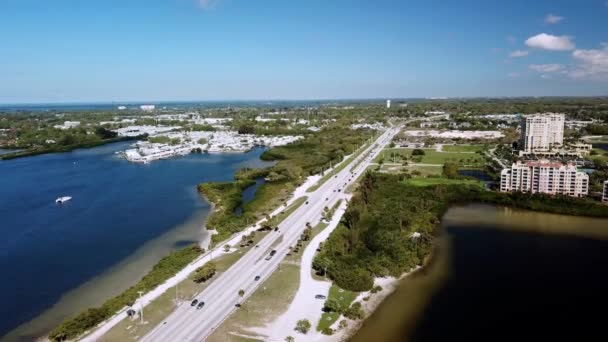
pixel 134 102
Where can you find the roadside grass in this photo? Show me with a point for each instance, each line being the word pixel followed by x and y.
pixel 421 182
pixel 342 165
pixel 425 170
pixel 344 298
pixel 270 300
pixel 160 308
pixel 352 187
pixel 599 139
pixel 432 157
pixel 601 155
pixel 268 197
pixel 266 304
pixel 274 221
pixel 463 148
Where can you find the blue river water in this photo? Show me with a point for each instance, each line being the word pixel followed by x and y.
pixel 48 249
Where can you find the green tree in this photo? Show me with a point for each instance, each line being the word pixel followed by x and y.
pixel 354 311
pixel 246 129
pixel 418 152
pixel 307 234
pixel 332 305
pixel 450 170
pixel 104 133
pixel 303 326
pixel 205 272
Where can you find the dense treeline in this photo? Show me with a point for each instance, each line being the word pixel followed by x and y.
pixel 163 270
pixel 576 107
pixel 64 148
pixel 376 237
pixel 295 162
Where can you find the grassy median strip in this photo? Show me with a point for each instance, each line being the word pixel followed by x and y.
pixel 341 167
pixel 275 220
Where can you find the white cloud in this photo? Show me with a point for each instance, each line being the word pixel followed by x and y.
pixel 591 63
pixel 207 4
pixel 553 19
pixel 518 53
pixel 546 68
pixel 549 42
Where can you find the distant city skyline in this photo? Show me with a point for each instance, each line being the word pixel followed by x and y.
pixel 70 51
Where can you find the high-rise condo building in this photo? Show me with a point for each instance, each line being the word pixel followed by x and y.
pixel 541 132
pixel 545 177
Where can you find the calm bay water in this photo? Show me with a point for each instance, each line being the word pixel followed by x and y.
pixel 503 275
pixel 122 219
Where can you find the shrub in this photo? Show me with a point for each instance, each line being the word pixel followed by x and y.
pixel 354 311
pixel 204 272
pixel 376 289
pixel 303 326
pixel 418 152
pixel 331 305
pixel 327 331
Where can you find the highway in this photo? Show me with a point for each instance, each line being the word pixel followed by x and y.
pixel 187 323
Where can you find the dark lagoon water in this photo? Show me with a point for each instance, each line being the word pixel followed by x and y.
pixel 601 146
pixel 477 174
pixel 59 259
pixel 502 276
pixel 249 194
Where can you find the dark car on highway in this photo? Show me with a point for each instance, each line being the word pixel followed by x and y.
pixel 256 278
pixel 194 302
pixel 200 305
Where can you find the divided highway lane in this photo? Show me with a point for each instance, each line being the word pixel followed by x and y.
pixel 187 323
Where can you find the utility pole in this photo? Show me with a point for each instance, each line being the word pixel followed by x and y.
pixel 141 310
pixel 176 293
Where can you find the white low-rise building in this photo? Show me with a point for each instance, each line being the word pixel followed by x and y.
pixel 147 108
pixel 220 141
pixel 605 192
pixel 133 131
pixel 68 125
pixel 378 126
pixel 544 176
pixel 456 134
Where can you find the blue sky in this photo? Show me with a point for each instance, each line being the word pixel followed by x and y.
pixel 154 50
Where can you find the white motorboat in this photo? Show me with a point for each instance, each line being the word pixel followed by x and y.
pixel 63 199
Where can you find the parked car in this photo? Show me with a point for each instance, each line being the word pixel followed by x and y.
pixel 200 305
pixel 320 296
pixel 194 302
